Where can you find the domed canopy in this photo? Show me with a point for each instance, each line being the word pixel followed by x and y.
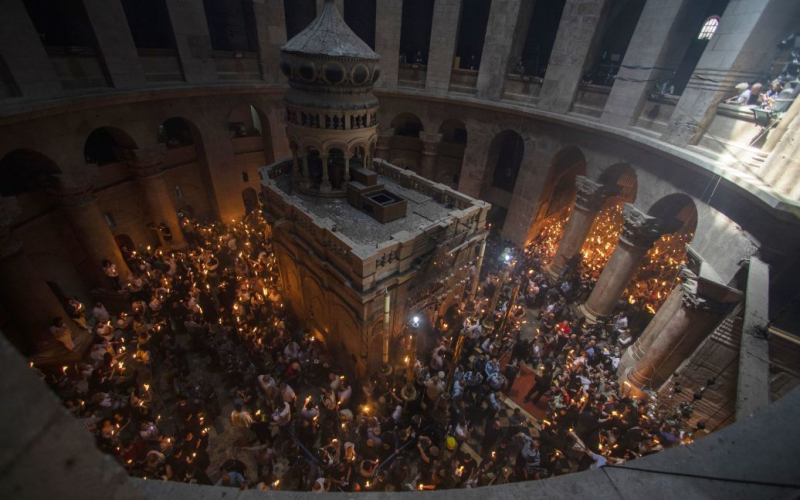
pixel 328 35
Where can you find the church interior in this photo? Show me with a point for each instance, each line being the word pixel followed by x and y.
pixel 359 247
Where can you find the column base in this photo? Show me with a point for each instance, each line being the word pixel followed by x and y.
pixel 630 388
pixel 591 316
pixel 551 273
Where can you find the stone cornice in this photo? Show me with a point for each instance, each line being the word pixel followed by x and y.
pixel 693 298
pixel 640 230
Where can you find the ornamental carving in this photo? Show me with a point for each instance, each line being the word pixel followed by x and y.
pixel 591 195
pixel 640 229
pixel 692 299
pixel 430 143
pixel 75 188
pixel 145 162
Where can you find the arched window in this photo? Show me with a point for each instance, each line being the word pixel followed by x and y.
pixel 709 28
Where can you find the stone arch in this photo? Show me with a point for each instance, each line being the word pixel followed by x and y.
pixel 107 145
pixel 25 171
pixel 677 206
pixel 407 125
pixel 246 122
pixel 451 151
pixel 176 132
pixel 558 191
pixel 624 176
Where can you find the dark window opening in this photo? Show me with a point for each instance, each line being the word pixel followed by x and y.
pixel 62 23
pixel 360 17
pixel 509 160
pixel 231 25
pixel 299 14
pixel 472 32
pixel 541 37
pixel 149 23
pixel 415 31
pixel 619 27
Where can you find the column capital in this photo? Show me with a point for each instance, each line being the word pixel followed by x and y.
pixel 145 162
pixel 385 133
pixel 591 194
pixel 430 143
pixel 642 230
pixel 698 290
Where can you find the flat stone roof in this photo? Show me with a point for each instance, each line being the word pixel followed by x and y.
pixel 360 227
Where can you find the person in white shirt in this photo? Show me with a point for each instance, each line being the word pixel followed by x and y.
pixel 62 333
pixel 100 314
pixel 287 393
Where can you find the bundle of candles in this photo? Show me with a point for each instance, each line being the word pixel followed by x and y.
pixel 602 240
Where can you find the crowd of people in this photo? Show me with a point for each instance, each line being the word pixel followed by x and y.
pixel 207 329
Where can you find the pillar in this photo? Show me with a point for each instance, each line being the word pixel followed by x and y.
pixel 325 185
pixel 576 39
pixel 388 19
pixel 91 230
pixel 742 50
pixel 473 289
pixel 146 165
pixel 781 170
pixel 651 52
pixel 430 153
pixel 444 35
pixel 505 34
pixel 192 40
pixel 639 233
pixel 271 33
pixel 384 143
pixel 25 294
pixel 115 43
pixel 590 199
pixel 24 55
pixel 304 161
pixel 347 158
pixel 676 331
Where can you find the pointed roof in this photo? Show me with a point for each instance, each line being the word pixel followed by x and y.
pixel 329 35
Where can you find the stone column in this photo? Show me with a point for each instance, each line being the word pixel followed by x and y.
pixel 115 43
pixel 590 199
pixel 508 22
pixel 388 18
pixel 146 165
pixel 654 40
pixel 638 235
pixel 325 185
pixel 676 331
pixel 384 143
pixel 271 32
pixel 24 55
pixel 430 153
pixel 90 227
pixel 576 39
pixel 444 35
pixel 347 159
pixel 24 292
pixel 192 40
pixel 306 180
pixel 296 175
pixel 742 50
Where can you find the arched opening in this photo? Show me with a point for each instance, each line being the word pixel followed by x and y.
pixel 336 168
pixel 407 125
pixel 557 197
pixel 658 273
pixel 175 132
pixel 359 158
pixel 508 161
pixel 709 28
pixel 251 139
pixel 406 150
pixel 604 234
pixel 106 144
pixel 24 171
pixel 184 145
pixel 250 198
pixel 472 32
pixel 314 162
pixel 451 152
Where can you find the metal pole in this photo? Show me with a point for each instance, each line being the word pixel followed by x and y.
pixel 386 369
pixel 510 306
pixel 409 392
pixel 456 356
